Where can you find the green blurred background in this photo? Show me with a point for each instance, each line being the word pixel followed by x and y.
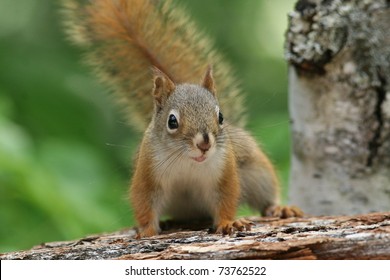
pixel 65 149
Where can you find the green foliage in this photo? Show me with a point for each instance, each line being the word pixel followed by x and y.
pixel 65 150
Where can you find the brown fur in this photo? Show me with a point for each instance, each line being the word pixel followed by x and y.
pixel 143 192
pixel 125 39
pixel 229 191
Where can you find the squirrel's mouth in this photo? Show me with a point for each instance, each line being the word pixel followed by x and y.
pixel 200 158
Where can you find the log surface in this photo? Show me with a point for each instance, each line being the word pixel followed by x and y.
pixel 329 237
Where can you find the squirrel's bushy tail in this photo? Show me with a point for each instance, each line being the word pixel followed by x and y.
pixel 125 38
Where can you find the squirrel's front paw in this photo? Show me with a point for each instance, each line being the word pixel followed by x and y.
pixel 243 224
pixel 146 232
pixel 283 211
pixel 229 227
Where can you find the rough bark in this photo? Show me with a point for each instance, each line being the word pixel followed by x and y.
pixel 337 237
pixel 339 91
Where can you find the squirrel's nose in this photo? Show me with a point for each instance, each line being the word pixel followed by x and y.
pixel 204 146
pixel 203 142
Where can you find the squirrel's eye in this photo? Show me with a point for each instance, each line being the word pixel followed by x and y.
pixel 172 122
pixel 220 118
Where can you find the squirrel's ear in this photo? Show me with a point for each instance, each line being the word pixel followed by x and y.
pixel 208 81
pixel 163 86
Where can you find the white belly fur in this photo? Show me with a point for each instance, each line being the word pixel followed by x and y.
pixel 189 188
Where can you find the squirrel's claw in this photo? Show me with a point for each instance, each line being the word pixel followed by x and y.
pixel 146 232
pixel 284 211
pixel 229 227
pixel 243 224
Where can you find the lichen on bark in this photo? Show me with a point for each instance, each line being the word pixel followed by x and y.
pixel 339 91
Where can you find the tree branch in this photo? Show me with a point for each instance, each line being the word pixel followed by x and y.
pixel 330 237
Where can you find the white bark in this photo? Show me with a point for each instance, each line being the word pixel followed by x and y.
pixel 339 91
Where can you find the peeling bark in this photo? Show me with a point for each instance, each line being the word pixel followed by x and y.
pixel 339 55
pixel 332 237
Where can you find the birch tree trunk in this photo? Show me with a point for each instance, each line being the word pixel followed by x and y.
pixel 339 91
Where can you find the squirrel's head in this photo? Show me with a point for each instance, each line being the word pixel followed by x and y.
pixel 188 117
